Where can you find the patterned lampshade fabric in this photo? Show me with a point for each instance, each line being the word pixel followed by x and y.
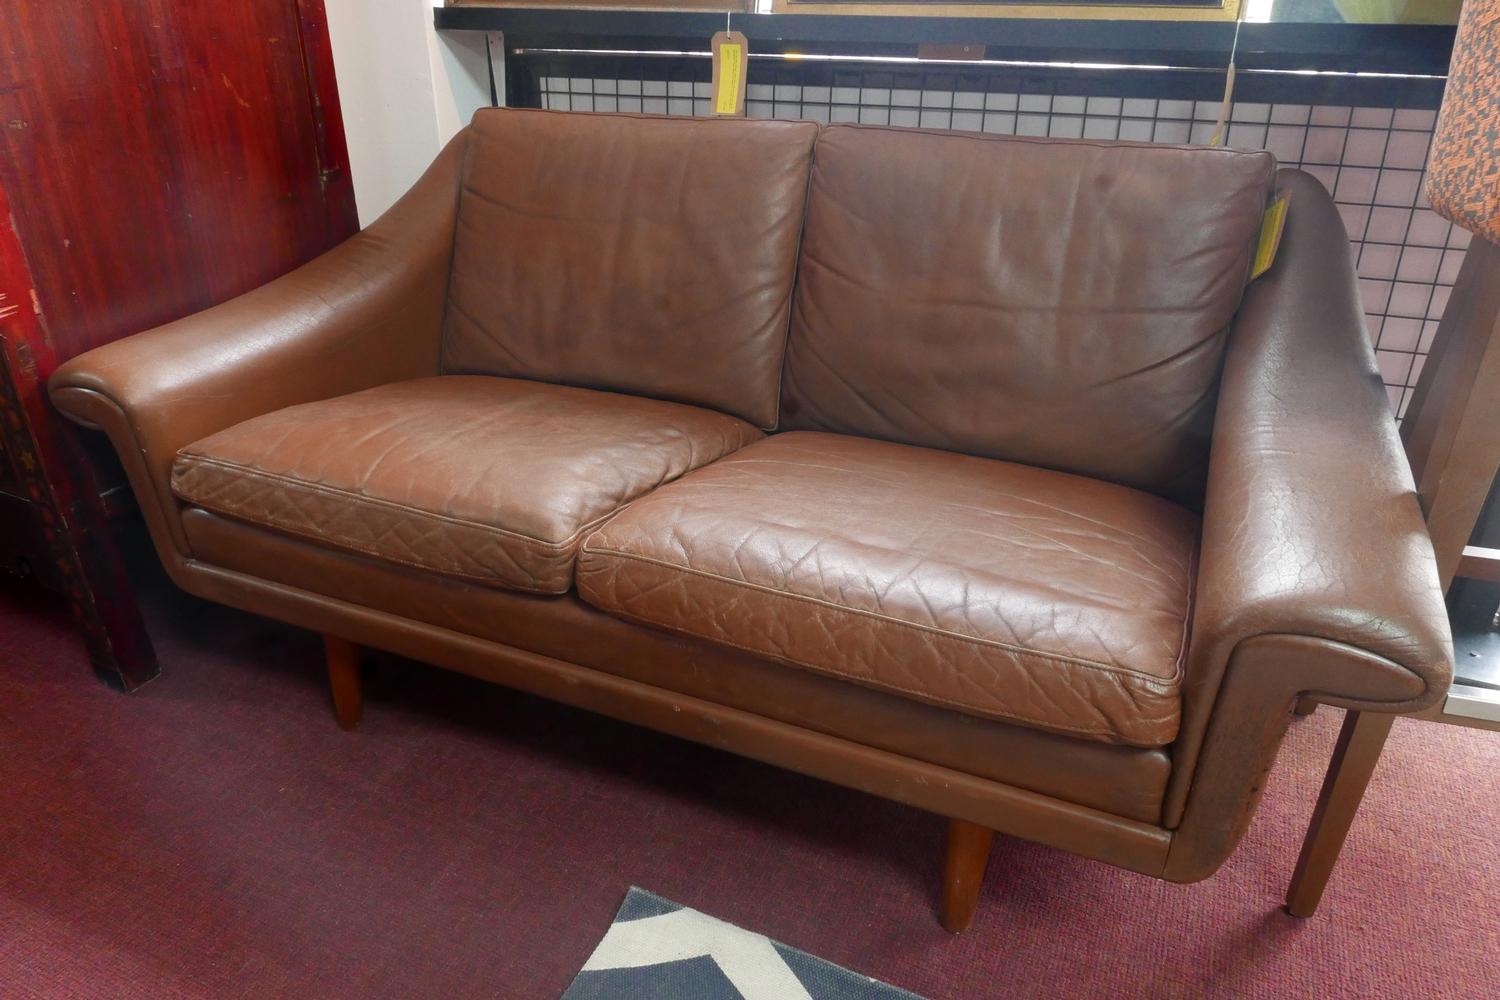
pixel 1463 181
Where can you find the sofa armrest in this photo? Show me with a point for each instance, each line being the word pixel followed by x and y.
pixel 367 312
pixel 1311 525
pixel 1314 545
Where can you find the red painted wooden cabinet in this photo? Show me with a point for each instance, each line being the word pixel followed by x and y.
pixel 156 157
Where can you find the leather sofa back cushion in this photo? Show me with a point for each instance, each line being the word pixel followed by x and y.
pixel 1062 304
pixel 652 256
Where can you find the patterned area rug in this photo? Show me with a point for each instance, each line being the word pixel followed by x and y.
pixel 658 950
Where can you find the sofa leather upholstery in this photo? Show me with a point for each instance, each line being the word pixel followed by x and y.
pixel 996 589
pixel 1120 780
pixel 646 255
pixel 1063 304
pixel 1312 525
pixel 1314 574
pixel 488 479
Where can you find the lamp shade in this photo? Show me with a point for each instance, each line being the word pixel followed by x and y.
pixel 1463 179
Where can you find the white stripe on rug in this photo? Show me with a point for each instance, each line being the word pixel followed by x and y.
pixel 746 959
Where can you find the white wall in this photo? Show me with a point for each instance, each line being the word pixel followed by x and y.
pixel 404 88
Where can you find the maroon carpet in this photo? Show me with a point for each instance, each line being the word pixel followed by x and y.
pixel 216 836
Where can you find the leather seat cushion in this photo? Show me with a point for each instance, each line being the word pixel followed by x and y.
pixel 1125 781
pixel 1000 590
pixel 489 479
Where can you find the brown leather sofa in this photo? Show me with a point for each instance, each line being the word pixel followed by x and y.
pixel 968 471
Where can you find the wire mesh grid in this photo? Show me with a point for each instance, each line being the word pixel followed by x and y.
pixel 1372 159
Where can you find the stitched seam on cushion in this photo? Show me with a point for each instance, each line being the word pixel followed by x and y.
pixel 791 299
pixel 470 142
pixel 360 498
pixel 970 710
pixel 959 636
pixel 349 546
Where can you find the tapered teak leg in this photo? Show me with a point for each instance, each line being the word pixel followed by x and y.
pixel 1354 759
pixel 963 872
pixel 343 680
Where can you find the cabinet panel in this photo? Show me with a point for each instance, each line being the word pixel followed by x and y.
pixel 162 155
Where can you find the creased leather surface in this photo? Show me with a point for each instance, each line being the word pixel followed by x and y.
pixel 646 255
pixel 1060 304
pixel 490 479
pixel 1312 526
pixel 1000 590
pixel 1124 781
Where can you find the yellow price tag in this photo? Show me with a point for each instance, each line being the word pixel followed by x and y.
pixel 731 57
pixel 1271 228
pixel 727 98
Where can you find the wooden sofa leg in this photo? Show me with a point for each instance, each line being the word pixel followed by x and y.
pixel 1354 759
pixel 343 680
pixel 1306 706
pixel 963 872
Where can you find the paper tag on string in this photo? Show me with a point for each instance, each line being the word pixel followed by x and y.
pixel 731 63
